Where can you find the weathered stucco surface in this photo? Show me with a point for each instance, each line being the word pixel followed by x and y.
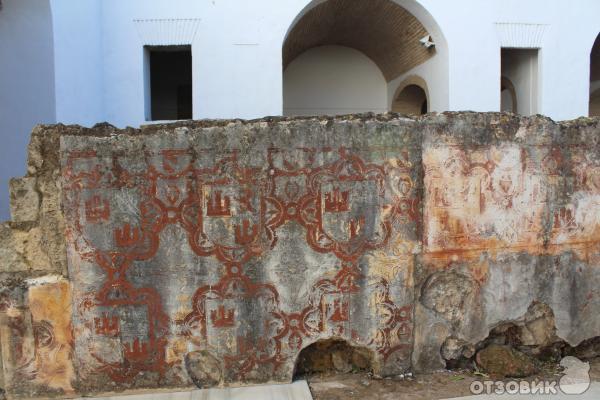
pixel 212 252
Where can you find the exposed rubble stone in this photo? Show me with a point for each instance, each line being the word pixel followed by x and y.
pixel 586 350
pixel 329 356
pixel 504 361
pixel 454 349
pixel 538 327
pixel 341 361
pixel 534 333
pixel 447 293
pixel 203 369
pixel 24 200
pixel 11 260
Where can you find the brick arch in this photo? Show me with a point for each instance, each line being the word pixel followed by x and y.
pixel 387 31
pixel 595 60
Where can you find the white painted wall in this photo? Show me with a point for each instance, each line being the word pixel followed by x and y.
pixel 237 54
pixel 571 28
pixel 26 83
pixel 430 72
pixel 474 50
pixel 333 80
pixel 80 88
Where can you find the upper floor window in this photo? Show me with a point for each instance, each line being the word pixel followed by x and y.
pixel 168 82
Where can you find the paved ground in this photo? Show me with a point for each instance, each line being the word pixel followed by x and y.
pixel 435 386
pixel 301 392
pixel 295 391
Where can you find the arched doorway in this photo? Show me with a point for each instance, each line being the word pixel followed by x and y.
pixel 508 96
pixel 595 79
pixel 334 48
pixel 411 97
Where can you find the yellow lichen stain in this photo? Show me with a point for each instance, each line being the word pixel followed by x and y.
pixel 50 306
pixel 388 266
pixel 183 310
pixel 176 350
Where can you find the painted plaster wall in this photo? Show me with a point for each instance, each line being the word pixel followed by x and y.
pixel 26 83
pixel 237 49
pixel 333 80
pixel 429 71
pixel 79 65
pixel 212 252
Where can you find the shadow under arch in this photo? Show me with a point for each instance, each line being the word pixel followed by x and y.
pixel 595 103
pixel 333 355
pixel 594 91
pixel 507 86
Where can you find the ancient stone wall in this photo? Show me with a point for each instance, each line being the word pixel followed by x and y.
pixel 211 253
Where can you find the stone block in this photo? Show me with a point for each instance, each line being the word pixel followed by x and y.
pixel 24 200
pixel 11 260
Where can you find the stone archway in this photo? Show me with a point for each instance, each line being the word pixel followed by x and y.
pixel 395 35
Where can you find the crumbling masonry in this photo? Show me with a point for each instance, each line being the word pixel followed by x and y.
pixel 213 252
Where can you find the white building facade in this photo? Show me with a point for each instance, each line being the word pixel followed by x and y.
pixel 129 62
